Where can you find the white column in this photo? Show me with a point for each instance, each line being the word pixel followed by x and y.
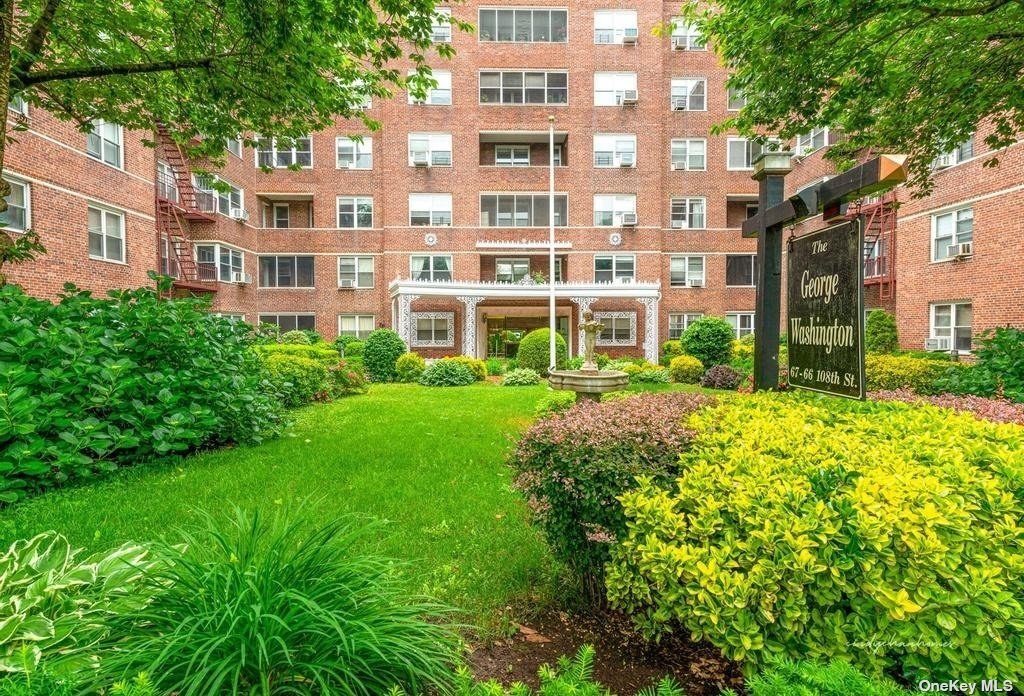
pixel 583 304
pixel 651 351
pixel 404 327
pixel 469 324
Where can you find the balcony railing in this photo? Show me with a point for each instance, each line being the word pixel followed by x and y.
pixel 876 267
pixel 207 271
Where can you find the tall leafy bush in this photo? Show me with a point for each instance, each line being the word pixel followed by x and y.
pixel 880 333
pixel 381 352
pixel 90 384
pixel 409 367
pixel 999 369
pixel 884 534
pixel 447 373
pixel 535 351
pixel 903 371
pixel 296 379
pixel 709 340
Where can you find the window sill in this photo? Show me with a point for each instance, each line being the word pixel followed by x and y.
pixel 113 261
pixel 747 287
pixel 94 158
pixel 355 169
pixel 951 259
pixel 359 287
pixel 271 287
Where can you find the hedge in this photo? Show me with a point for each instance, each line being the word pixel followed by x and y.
pixel 901 371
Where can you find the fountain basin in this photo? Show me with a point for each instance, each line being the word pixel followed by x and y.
pixel 589 384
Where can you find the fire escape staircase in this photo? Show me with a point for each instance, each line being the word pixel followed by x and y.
pixel 879 242
pixel 177 207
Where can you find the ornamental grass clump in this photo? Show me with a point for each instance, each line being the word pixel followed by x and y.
pixel 573 465
pixel 887 535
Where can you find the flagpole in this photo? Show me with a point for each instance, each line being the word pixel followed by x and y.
pixel 551 242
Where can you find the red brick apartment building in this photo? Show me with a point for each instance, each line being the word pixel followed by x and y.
pixel 436 225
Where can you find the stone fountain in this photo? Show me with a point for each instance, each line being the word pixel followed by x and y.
pixel 588 382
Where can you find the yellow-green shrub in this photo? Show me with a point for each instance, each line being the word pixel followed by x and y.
pixel 904 371
pixel 476 366
pixel 886 535
pixel 321 352
pixel 686 369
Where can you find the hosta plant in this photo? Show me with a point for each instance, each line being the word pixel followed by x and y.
pixel 447 373
pixel 522 377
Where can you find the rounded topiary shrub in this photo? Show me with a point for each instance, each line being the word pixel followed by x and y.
pixel 535 351
pixel 685 369
pixel 709 340
pixel 447 373
pixel 381 352
pixel 409 367
pixel 297 337
pixel 523 377
pixel 880 333
pixel 722 377
pixel 354 349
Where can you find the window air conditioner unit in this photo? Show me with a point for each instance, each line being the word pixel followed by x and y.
pixel 628 220
pixel 695 283
pixel 964 249
pixel 630 36
pixel 241 278
pixel 419 102
pixel 678 43
pixel 679 103
pixel 346 284
pixel 240 214
pixel 420 159
pixel 624 280
pixel 352 164
pixel 679 224
pixel 943 161
pixel 678 166
pixel 626 159
pixel 942 343
pixel 629 96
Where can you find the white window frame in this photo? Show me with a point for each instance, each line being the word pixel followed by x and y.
pixel 611 26
pixel 805 142
pixel 610 87
pixel 695 210
pixel 234 146
pixel 691 152
pixel 516 36
pixel 26 196
pixel 732 95
pixel 688 272
pixel 613 321
pixel 274 152
pixel 752 149
pixel 441 30
pixel 935 331
pixel 513 263
pixel 522 87
pixel 295 315
pixel 18 105
pixel 616 273
pixel 436 206
pixel 446 341
pixel 103 137
pixel 357 320
pixel 356 262
pixel 682 30
pixel 359 153
pixel 224 200
pixel 737 319
pixel 753 268
pixel 277 271
pixel 276 218
pixel 432 271
pixel 684 319
pixel 106 236
pixel 955 237
pixel 218 261
pixel 964 152
pixel 609 147
pixel 515 155
pixel 620 203
pixel 532 215
pixel 683 88
pixel 441 95
pixel 438 148
pixel 356 202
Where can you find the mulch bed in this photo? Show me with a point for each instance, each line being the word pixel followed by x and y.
pixel 625 663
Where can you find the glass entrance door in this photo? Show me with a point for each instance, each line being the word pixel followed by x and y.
pixel 505 333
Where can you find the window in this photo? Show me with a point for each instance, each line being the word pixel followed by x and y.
pixel 521 210
pixel 354 154
pixel 433 329
pixel 290 322
pixel 736 100
pixel 441 32
pixel 18 105
pixel 219 262
pixel 609 208
pixel 356 325
pixel 809 142
pixel 512 155
pixel 518 87
pixel 688 213
pixel 529 26
pixel 689 154
pixel 511 270
pixel 281 153
pixel 434 149
pixel 106 235
pixel 430 209
pixel 950 230
pixel 742 323
pixel 750 210
pixel 619 328
pixel 104 141
pixel 742 153
pixel 610 87
pixel 686 37
pixel 689 94
pixel 441 95
pixel 741 271
pixel 286 272
pixel 168 259
pixel 16 218
pixel 614 150
pixel 964 151
pixel 952 322
pixel 355 212
pixel 431 267
pixel 234 146
pixel 166 182
pixel 356 94
pixel 230 316
pixel 227 200
pixel 355 271
pixel 686 271
pixel 612 26
pixel 609 269
pixel 280 216
pixel 678 323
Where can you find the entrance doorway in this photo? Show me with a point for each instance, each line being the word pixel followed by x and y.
pixel 505 332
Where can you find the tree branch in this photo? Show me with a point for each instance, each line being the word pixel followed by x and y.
pixel 86 71
pixel 37 37
pixel 964 11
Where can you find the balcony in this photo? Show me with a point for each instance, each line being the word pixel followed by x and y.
pixel 285 210
pixel 519 149
pixel 875 268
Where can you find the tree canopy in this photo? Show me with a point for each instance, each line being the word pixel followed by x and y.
pixel 895 75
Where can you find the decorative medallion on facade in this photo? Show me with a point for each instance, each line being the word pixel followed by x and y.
pixel 615 239
pixel 430 239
